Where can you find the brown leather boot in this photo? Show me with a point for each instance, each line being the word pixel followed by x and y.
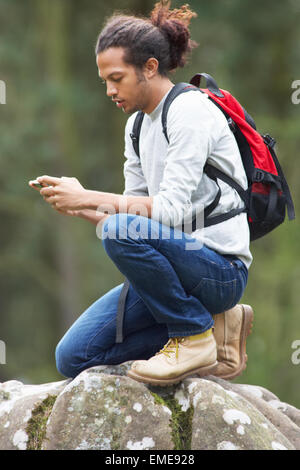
pixel 231 331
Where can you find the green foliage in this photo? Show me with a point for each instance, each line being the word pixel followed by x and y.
pixel 58 121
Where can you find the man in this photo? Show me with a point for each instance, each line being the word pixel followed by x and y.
pixel 181 284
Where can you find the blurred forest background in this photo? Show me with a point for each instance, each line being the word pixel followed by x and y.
pixel 57 120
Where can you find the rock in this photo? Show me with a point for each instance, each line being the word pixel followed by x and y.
pixel 17 404
pixel 224 420
pixel 107 412
pixel 284 417
pixel 103 409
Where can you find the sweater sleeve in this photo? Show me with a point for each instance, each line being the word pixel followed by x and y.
pixel 135 182
pixel 190 129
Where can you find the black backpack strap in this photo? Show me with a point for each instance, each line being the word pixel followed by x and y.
pixel 136 130
pixel 289 201
pixel 215 174
pixel 223 217
pixel 175 91
pixel 210 83
pixel 120 311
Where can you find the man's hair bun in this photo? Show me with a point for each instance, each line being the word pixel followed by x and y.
pixel 174 24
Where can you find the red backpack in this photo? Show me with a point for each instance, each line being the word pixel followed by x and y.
pixel 268 195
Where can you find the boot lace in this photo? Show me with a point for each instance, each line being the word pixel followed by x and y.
pixel 171 346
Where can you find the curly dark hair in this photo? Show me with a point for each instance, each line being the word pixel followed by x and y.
pixel 164 36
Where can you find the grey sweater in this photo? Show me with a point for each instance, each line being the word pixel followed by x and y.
pixel 173 173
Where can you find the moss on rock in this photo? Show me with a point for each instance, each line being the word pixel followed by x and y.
pixel 180 422
pixel 36 428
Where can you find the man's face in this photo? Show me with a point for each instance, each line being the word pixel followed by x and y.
pixel 126 85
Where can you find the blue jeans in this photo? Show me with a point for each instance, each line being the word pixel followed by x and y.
pixel 176 285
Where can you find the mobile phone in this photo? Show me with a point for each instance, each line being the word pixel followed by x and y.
pixel 37 185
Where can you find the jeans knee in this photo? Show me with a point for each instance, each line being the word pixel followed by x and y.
pixel 64 360
pixel 116 229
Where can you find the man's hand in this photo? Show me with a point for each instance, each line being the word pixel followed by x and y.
pixel 67 194
pixel 64 194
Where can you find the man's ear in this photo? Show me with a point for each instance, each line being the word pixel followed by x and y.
pixel 151 67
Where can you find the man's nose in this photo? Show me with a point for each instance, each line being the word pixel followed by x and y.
pixel 111 90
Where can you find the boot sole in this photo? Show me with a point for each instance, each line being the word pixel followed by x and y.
pixel 200 372
pixel 247 325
